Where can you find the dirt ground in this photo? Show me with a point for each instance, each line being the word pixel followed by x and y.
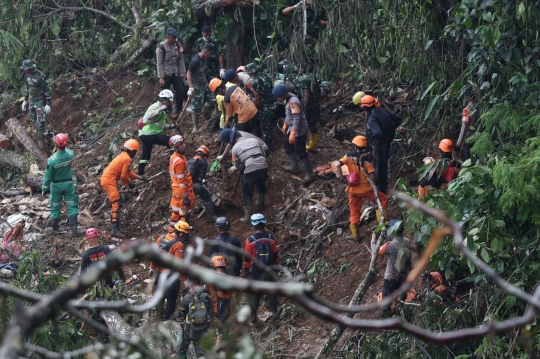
pixel 343 261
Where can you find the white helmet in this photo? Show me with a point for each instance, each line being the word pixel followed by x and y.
pixel 166 94
pixel 175 141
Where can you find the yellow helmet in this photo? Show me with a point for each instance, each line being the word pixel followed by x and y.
pixel 182 226
pixel 358 97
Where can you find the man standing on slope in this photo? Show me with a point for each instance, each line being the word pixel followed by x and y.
pixel 171 68
pixel 198 168
pixel 198 86
pixel 264 100
pixel 183 198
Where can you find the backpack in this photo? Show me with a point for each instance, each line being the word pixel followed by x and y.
pixel 404 256
pixel 166 246
pixel 198 313
pixel 178 46
pixel 388 122
pixel 262 250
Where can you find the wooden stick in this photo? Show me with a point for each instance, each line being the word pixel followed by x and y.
pixel 184 109
pixel 237 181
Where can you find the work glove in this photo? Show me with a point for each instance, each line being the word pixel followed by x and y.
pixel 190 91
pixel 163 108
pixel 47 109
pixel 131 185
pixel 186 202
pixel 222 73
pixel 232 169
pixel 219 158
pixel 24 104
pixel 152 273
pixel 292 137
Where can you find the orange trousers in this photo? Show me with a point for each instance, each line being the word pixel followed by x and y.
pixel 114 197
pixel 355 203
pixel 179 211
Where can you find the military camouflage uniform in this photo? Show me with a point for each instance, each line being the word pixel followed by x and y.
pixel 201 92
pixel 263 84
pixel 313 111
pixel 212 64
pixel 38 94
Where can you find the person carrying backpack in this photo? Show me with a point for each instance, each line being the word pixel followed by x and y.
pixel 381 126
pixel 172 243
pixel 234 259
pixel 221 299
pixel 196 310
pixel 440 179
pixel 171 68
pixel 262 246
pixel 398 262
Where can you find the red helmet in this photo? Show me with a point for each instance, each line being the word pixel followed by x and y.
pixel 91 233
pixel 61 140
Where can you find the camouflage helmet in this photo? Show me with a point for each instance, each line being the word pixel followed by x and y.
pixel 252 68
pixel 28 65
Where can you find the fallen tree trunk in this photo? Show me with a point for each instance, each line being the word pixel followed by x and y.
pixel 12 192
pixel 27 141
pixel 5 142
pixel 145 45
pixel 13 159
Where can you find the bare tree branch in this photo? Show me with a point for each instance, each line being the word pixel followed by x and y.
pixel 102 13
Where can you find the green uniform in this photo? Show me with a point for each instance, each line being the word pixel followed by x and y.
pixel 38 94
pixel 263 84
pixel 191 333
pixel 58 180
pixel 212 63
pixel 201 93
pixel 313 110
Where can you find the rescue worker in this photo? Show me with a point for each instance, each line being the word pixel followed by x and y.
pixel 310 94
pixel 249 156
pixel 183 198
pixel 221 299
pixel 96 253
pixel 234 259
pixel 173 243
pixel 396 271
pixel 119 169
pixel 380 130
pixel 237 105
pixel 226 133
pixel 296 129
pixel 38 97
pixel 244 77
pixel 440 179
pixel 155 123
pixel 198 86
pixel 468 119
pixel 212 63
pixel 58 180
pixel 362 189
pixel 171 68
pixel 196 310
pixel 262 246
pixel 264 100
pixel 197 168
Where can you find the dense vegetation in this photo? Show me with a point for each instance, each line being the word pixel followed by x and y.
pixel 431 48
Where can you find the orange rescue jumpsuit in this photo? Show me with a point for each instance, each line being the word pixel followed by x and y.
pixel 118 168
pixel 362 190
pixel 181 184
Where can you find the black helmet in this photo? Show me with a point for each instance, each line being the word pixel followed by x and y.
pixel 223 223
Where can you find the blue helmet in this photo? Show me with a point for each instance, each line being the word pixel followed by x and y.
pixel 258 218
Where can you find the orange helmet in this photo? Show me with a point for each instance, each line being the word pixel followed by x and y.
pixel 368 101
pixel 214 84
pixel 219 261
pixel 132 144
pixel 203 149
pixel 360 141
pixel 446 145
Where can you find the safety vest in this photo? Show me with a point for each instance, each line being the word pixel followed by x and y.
pixel 154 125
pixel 179 171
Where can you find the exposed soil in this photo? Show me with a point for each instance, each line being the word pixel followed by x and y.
pixel 145 214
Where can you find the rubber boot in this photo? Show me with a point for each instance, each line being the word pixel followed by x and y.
pixel 55 224
pixel 354 230
pixel 210 211
pixel 313 142
pixel 73 225
pixel 248 211
pixel 142 166
pixel 195 120
pixel 116 230
pixel 207 113
pixel 378 215
pixel 293 167
pixel 260 202
pixel 309 177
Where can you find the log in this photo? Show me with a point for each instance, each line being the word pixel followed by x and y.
pixel 27 141
pixel 13 192
pixel 5 142
pixel 145 45
pixel 13 159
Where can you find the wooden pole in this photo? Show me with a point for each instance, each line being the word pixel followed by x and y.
pixel 27 142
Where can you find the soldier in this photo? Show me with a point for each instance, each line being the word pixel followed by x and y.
pixel 264 100
pixel 198 86
pixel 58 180
pixel 310 94
pixel 212 63
pixel 171 68
pixel 38 96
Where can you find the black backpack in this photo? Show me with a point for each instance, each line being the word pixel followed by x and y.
pixel 388 122
pixel 263 250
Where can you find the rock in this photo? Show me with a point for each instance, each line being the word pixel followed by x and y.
pixel 339 231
